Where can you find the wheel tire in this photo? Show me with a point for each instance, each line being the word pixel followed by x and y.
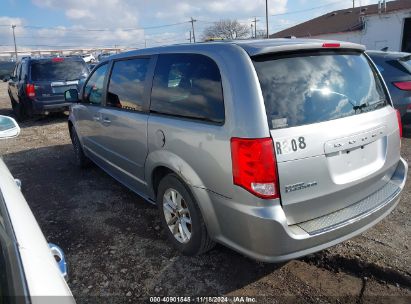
pixel 199 240
pixel 80 158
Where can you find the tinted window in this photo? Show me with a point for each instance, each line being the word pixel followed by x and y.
pixel 24 70
pixel 188 85
pixel 15 70
pixel 58 69
pixel 93 90
pixel 126 87
pixel 315 87
pixel 18 73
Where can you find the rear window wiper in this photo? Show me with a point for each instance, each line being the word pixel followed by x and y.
pixel 360 107
pixel 367 106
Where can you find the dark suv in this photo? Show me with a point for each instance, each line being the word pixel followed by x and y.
pixel 395 67
pixel 38 84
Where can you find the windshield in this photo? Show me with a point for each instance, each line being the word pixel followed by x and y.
pixel 58 70
pixel 312 87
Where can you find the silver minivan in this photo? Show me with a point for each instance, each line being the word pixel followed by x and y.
pixel 274 148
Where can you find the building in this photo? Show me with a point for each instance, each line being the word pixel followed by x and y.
pixel 378 26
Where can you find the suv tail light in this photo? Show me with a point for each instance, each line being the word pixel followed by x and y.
pixel 30 90
pixel 403 85
pixel 399 122
pixel 331 45
pixel 57 59
pixel 255 166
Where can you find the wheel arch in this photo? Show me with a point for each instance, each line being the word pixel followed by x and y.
pixel 161 163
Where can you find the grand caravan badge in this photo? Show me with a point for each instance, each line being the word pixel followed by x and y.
pixel 299 186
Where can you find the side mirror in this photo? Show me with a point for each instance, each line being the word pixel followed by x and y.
pixel 8 127
pixel 71 95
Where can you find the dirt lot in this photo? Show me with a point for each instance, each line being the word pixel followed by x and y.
pixel 117 252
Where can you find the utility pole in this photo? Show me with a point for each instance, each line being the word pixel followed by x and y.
pixel 255 27
pixel 145 43
pixel 14 38
pixel 353 3
pixel 190 37
pixel 266 18
pixel 192 27
pixel 252 32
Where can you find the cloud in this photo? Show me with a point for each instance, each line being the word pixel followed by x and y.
pixel 96 13
pixel 78 14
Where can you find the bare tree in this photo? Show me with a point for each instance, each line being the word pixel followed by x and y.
pixel 226 29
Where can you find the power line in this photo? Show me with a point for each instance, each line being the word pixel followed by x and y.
pixel 308 9
pixel 36 27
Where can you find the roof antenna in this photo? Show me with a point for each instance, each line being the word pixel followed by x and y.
pixel 384 49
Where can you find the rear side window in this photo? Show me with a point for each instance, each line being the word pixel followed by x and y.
pixel 308 88
pixel 58 69
pixel 188 85
pixel 126 87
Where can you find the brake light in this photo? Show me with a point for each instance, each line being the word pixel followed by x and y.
pixel 399 122
pixel 331 45
pixel 255 166
pixel 30 90
pixel 57 59
pixel 403 85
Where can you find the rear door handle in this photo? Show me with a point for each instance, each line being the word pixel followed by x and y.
pixel 106 121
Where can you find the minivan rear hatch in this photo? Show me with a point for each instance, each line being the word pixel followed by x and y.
pixel 334 131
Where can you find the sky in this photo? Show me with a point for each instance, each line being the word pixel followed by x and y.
pixel 59 24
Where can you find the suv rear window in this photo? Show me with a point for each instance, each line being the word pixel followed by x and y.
pixel 188 85
pixel 312 87
pixel 44 70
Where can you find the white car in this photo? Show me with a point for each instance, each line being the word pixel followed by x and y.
pixel 88 58
pixel 31 270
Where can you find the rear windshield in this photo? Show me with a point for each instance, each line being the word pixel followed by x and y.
pixel 307 88
pixel 58 70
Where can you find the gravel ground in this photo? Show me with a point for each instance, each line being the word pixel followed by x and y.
pixel 118 253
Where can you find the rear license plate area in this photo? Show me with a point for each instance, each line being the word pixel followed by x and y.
pixel 62 89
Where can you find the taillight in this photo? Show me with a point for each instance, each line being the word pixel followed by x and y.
pixel 57 59
pixel 255 166
pixel 399 122
pixel 331 45
pixel 403 85
pixel 30 90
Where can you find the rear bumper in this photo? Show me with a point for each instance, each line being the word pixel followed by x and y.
pixel 41 107
pixel 262 233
